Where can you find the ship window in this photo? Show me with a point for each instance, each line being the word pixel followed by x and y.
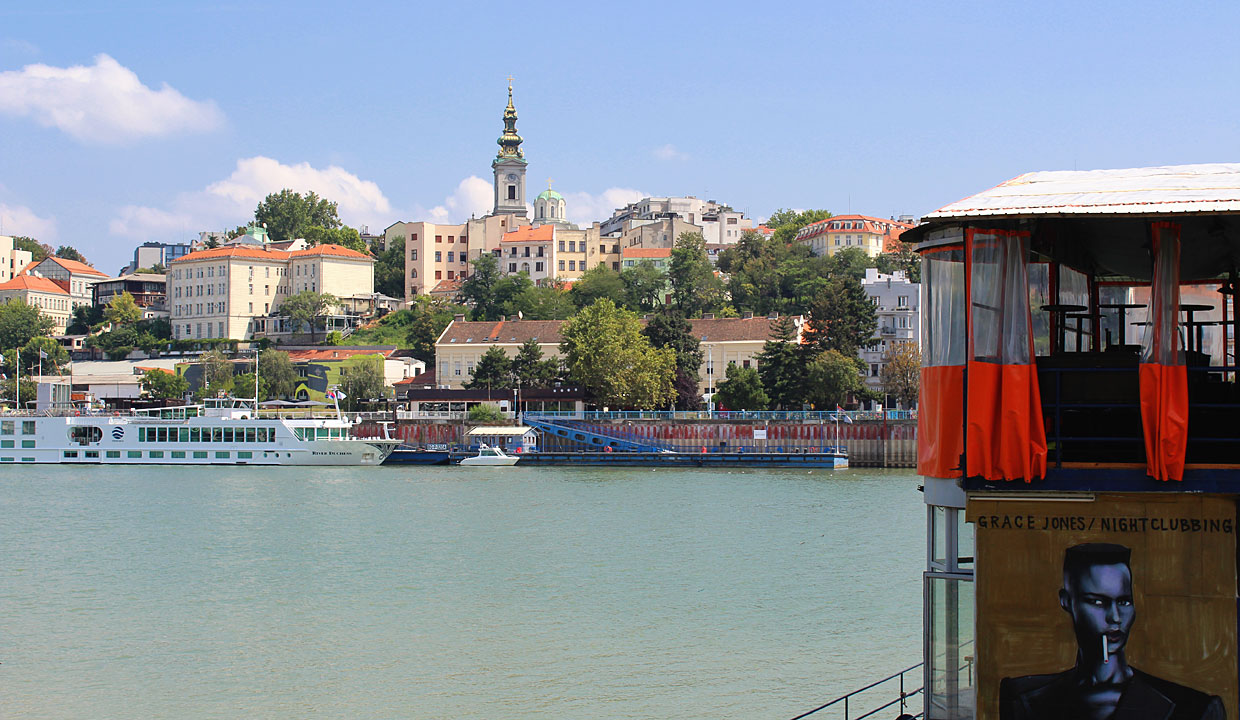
pixel 178 453
pixel 6 427
pixel 195 434
pixel 161 434
pixel 27 427
pixel 200 454
pixel 114 453
pixel 228 435
pixel 71 453
pixel 217 435
pixel 221 455
pixel 325 433
pixel 134 453
pixel 30 444
pixel 271 434
pixel 27 459
pixel 6 459
pixel 183 435
pixel 90 453
pixel 156 454
pixel 6 443
pixel 249 435
pixel 244 455
pixel 262 434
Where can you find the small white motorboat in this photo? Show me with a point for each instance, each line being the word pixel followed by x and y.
pixel 488 455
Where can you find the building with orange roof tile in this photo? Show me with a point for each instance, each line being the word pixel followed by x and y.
pixel 77 278
pixel 871 235
pixel 235 291
pixel 49 296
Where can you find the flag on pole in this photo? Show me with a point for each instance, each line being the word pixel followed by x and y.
pixel 42 355
pixel 340 395
pixel 841 410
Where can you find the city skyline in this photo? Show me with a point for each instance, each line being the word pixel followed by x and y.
pixel 154 123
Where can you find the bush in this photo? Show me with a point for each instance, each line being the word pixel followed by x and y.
pixel 484 412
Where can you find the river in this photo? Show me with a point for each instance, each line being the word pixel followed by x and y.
pixel 593 593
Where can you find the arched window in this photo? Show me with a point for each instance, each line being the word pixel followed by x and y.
pixel 525 268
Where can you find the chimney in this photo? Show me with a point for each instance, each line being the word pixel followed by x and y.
pixel 747 315
pixel 458 318
pixel 708 316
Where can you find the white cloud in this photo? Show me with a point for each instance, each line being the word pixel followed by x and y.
pixel 473 196
pixel 21 220
pixel 669 152
pixel 584 208
pixel 102 103
pixel 231 201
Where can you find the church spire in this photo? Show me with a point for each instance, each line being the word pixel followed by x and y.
pixel 510 141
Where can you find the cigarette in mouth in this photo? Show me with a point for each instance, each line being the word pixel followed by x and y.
pixel 1106 655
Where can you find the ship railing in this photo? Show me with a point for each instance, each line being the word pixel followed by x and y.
pixel 732 415
pixel 847 704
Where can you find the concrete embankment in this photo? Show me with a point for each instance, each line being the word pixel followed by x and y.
pixel 870 443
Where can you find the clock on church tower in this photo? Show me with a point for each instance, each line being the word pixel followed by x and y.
pixel 509 166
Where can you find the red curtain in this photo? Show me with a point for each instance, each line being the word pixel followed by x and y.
pixel 940 405
pixel 1005 434
pixel 1163 377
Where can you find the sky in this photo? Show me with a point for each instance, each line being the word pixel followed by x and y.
pixel 131 121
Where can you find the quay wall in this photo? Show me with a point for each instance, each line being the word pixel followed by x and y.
pixel 870 443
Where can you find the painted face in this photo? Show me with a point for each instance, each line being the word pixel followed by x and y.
pixel 1099 598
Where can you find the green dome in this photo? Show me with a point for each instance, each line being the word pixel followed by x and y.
pixel 549 194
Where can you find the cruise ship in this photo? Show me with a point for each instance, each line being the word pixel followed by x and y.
pixel 223 431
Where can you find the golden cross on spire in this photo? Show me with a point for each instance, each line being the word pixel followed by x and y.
pixel 510 83
pixel 548 183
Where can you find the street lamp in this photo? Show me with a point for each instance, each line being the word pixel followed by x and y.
pixel 710 377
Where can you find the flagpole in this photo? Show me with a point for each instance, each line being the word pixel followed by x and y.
pixel 17 382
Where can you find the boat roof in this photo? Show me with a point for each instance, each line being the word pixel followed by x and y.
pixel 1167 189
pixel 500 431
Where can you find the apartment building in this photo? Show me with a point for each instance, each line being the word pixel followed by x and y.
pixel 870 234
pixel 12 260
pixel 718 223
pixel 236 291
pixel 896 304
pixel 52 299
pixel 149 291
pixel 150 254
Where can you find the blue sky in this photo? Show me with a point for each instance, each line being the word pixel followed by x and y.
pixel 147 120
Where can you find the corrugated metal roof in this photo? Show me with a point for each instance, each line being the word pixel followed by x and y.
pixel 1207 188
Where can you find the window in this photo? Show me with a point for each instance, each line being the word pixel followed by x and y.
pixel 156 454
pixel 744 363
pixel 451 255
pixel 457 370
pixel 439 274
pixel 438 256
pixel 178 454
pixel 561 265
pixel 572 246
pixel 27 427
pixel 413 273
pixel 902 301
pixel 450 239
pixel 69 454
pixel 113 454
pixel 451 275
pixel 413 254
pixel 133 454
pixel 512 267
pixel 200 454
pixel 561 246
pixel 512 192
pixel 874 367
pixel 439 238
pixel 602 249
pixel 6 427
pixel 221 455
pixel 572 264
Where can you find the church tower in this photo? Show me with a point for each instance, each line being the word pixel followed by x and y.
pixel 509 166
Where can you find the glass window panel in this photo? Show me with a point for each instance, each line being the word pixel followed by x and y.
pixel 950 655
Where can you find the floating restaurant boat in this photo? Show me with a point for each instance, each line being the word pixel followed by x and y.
pixel 223 431
pixel 1079 437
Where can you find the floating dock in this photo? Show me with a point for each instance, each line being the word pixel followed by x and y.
pixel 674 459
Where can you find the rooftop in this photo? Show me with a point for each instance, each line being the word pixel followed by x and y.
pixel 74 266
pixel 527 233
pixel 35 283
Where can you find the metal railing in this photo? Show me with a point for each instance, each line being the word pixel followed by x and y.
pixel 755 415
pixel 846 700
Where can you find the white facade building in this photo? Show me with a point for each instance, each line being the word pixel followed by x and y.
pixel 896 302
pixel 719 224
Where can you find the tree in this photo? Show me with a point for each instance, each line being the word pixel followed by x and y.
pixel 851 262
pixel 44 353
pixel 643 285
pixel 217 371
pixel 669 329
pixel 8 388
pixel 507 290
pixel 598 282
pixel 343 236
pixel 831 377
pixel 841 318
pixel 781 366
pixel 289 215
pixel 494 370
pixel 38 251
pixel 786 223
pixel 163 385
pixel 529 368
pixel 605 351
pixel 479 288
pixel 541 302
pixel 86 319
pixel 20 322
pixel 742 390
pixel 485 413
pixel 695 288
pixel 277 376
pixel 67 252
pixel 901 373
pixel 243 385
pixel 390 269
pixel 306 307
pixel 122 310
pixel 362 380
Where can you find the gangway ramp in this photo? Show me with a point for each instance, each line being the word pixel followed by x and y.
pixel 591 437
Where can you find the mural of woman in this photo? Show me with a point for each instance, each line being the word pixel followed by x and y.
pixel 1097 595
